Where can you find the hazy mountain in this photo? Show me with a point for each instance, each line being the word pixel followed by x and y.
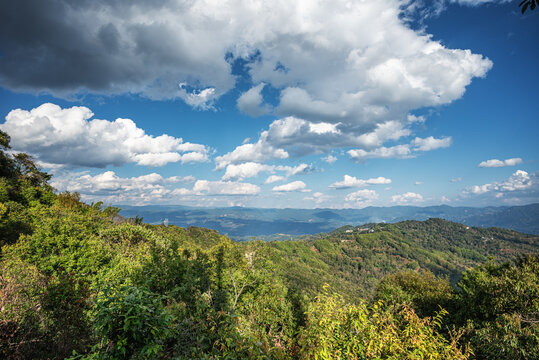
pixel 242 223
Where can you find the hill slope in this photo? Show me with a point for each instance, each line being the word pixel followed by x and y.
pixel 354 259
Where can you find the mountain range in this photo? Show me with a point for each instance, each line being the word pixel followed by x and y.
pixel 242 223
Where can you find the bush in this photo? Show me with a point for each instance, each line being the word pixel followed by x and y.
pixel 499 305
pixel 424 292
pixel 336 330
pixel 129 322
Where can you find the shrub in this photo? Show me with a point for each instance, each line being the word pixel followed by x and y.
pixel 336 330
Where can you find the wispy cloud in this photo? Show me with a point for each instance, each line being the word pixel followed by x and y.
pixel 352 181
pixel 500 163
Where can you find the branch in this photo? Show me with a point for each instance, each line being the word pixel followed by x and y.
pixel 236 293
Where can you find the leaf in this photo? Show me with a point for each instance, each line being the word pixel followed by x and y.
pixel 525 7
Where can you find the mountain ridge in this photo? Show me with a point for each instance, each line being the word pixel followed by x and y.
pixel 243 223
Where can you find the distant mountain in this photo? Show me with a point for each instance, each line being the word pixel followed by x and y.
pixel 242 223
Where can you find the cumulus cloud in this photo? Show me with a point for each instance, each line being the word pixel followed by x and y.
pixel 205 187
pixel 402 151
pixel 71 137
pixel 377 71
pixel 293 186
pixel 430 143
pixel 500 163
pixel 351 181
pixel 274 178
pixel 319 198
pixel 361 198
pixel 251 102
pixel 291 135
pixel 257 152
pixel 330 159
pixel 397 151
pixel 406 198
pixel 520 188
pixel 520 180
pixel 198 98
pixel 252 169
pixel 245 170
pixel 300 169
pixel 112 188
pixel 150 188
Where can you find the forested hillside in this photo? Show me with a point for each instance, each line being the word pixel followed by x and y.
pixel 79 281
pixel 354 259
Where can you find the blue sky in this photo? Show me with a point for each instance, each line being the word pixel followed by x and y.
pixel 276 104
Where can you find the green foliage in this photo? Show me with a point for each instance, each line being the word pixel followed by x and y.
pixel 336 330
pixel 422 291
pixel 130 322
pixel 499 304
pixel 41 317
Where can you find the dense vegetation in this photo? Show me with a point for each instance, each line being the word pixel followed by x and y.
pixel 79 281
pixel 354 259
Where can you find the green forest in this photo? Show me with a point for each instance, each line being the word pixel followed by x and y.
pixel 79 281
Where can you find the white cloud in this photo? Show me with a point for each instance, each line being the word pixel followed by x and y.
pixel 402 151
pixel 181 191
pixel 252 169
pixel 199 99
pixel 251 102
pixel 319 198
pixel 205 187
pixel 177 179
pixel 245 170
pixel 519 188
pixel 151 188
pixel 300 169
pixel 417 183
pixel 153 159
pixel 194 157
pixel 109 187
pixel 68 137
pixel 397 151
pixel 293 186
pixel 430 143
pixel 301 137
pixel 455 180
pixel 520 180
pixel 351 181
pixel 330 159
pixel 337 61
pixel 257 152
pixel 361 198
pixel 274 178
pixel 500 163
pixel 406 198
pixel 346 74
